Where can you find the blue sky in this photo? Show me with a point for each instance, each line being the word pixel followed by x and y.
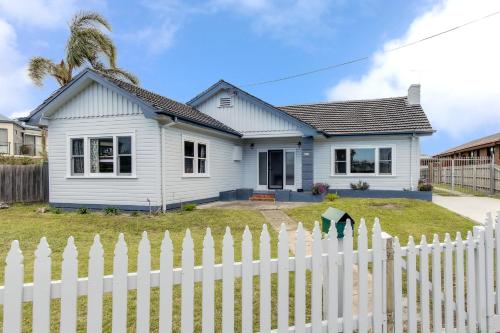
pixel 178 48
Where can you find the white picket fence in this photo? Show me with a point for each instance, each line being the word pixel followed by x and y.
pixel 462 298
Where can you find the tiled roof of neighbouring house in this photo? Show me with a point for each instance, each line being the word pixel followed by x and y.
pixel 370 116
pixel 484 141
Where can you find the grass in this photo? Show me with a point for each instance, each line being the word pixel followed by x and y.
pixel 398 217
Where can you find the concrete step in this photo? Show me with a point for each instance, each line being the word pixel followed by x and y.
pixel 263 197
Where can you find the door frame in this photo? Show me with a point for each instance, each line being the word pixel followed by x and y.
pixel 285 187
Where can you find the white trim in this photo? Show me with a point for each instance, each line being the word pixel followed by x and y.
pixel 195 141
pixel 86 153
pixel 285 187
pixel 348 173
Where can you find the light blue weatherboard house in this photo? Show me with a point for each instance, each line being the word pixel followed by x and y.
pixel 115 144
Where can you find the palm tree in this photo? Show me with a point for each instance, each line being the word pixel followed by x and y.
pixel 87 45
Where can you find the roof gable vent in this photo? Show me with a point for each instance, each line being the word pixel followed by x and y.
pixel 226 102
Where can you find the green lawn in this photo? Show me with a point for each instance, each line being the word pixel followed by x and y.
pixel 398 217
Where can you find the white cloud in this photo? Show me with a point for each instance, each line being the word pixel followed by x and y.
pixel 459 71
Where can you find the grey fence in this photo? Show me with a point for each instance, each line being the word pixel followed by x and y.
pixel 24 183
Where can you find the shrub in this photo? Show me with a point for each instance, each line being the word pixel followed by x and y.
pixel 320 188
pixel 111 211
pixel 83 210
pixel 424 185
pixel 361 186
pixel 56 210
pixel 189 207
pixel 331 197
pixel 15 160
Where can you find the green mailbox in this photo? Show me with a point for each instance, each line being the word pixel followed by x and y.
pixel 337 216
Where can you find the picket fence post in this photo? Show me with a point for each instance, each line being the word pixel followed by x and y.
pixel 389 273
pixel 13 292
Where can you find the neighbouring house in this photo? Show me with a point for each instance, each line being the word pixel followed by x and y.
pixel 487 147
pixel 116 144
pixel 18 138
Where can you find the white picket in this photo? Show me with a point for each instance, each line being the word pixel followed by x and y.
pixel 471 284
pixel 362 277
pixel 13 290
pixel 227 283
pixel 41 287
pixel 333 280
pixel 448 284
pixel 143 285
pixel 166 283
pixel 300 280
pixel 424 286
pixel 95 283
pixel 377 279
pixel 208 288
pixel 316 280
pixel 480 279
pixel 460 285
pixel 398 287
pixel 265 281
pixel 436 285
pixel 187 284
pixel 247 282
pixel 348 278
pixel 489 266
pixel 497 261
pixel 283 290
pixel 69 287
pixel 120 286
pixel 411 285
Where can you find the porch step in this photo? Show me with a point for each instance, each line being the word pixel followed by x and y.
pixel 263 197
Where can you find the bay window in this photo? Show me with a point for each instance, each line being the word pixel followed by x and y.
pixel 354 161
pixel 195 158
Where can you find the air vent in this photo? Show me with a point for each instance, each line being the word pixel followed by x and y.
pixel 225 102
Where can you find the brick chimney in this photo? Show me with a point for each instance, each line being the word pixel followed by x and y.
pixel 414 94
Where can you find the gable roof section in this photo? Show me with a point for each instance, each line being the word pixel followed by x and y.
pixel 492 139
pixel 224 85
pixel 359 117
pixel 150 102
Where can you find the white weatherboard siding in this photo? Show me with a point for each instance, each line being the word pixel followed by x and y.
pixel 403 166
pixel 98 111
pixel 224 173
pixel 250 170
pixel 249 118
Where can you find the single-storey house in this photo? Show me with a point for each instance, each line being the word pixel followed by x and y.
pixel 18 138
pixel 116 144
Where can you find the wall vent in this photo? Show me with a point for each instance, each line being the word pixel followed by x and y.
pixel 225 102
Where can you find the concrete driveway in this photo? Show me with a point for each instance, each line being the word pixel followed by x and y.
pixel 475 208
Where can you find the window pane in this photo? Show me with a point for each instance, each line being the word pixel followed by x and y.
pixel 290 168
pixel 385 167
pixel 188 148
pixel 77 147
pixel 385 154
pixel 202 150
pixel 106 148
pixel 125 145
pixel 188 165
pixel 105 167
pixel 77 165
pixel 340 167
pixel 263 168
pixel 94 155
pixel 340 155
pixel 202 166
pixel 363 160
pixel 125 163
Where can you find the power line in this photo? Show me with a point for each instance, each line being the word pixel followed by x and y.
pixel 352 61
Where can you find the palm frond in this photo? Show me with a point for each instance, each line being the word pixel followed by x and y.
pixel 39 68
pixel 121 74
pixel 87 19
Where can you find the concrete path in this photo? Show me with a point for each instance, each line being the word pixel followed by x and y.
pixel 474 208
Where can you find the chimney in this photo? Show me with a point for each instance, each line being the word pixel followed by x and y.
pixel 414 94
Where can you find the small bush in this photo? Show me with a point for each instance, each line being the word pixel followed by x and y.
pixel 111 211
pixel 56 210
pixel 424 185
pixel 189 207
pixel 361 186
pixel 83 210
pixel 331 197
pixel 320 188
pixel 15 160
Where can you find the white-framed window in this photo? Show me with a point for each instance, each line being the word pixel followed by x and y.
pixel 362 160
pixel 110 155
pixel 196 157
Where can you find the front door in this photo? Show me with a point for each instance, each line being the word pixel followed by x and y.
pixel 275 165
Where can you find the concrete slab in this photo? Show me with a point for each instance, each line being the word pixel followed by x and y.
pixel 474 208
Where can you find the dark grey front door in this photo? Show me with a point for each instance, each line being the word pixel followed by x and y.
pixel 275 161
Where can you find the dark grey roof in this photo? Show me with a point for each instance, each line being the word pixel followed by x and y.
pixel 371 116
pixel 488 140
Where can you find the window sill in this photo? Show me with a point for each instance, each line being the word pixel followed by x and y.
pixel 363 175
pixel 102 177
pixel 195 176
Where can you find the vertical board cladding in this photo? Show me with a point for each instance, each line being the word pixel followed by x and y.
pixel 223 172
pixel 405 164
pixel 307 163
pixel 105 191
pixel 250 167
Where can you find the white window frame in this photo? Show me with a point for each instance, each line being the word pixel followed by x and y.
pixel 348 161
pixel 195 173
pixel 86 150
pixel 296 165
